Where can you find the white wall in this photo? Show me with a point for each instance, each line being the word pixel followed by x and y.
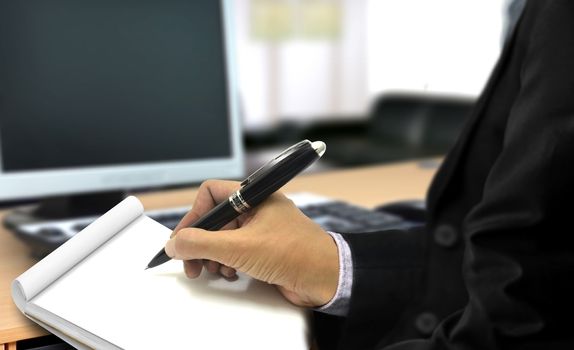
pixel 300 78
pixel 438 46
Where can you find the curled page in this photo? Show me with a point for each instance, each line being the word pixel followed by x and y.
pixel 61 260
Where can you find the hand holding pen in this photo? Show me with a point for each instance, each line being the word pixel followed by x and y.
pixel 273 242
pixel 256 188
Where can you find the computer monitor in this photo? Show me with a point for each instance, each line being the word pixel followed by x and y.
pixel 104 96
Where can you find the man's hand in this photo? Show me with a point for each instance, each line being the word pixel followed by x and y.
pixel 274 243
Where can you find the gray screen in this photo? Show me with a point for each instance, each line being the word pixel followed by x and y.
pixel 110 82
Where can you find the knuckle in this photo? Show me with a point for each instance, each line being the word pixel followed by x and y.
pixel 282 199
pixel 205 185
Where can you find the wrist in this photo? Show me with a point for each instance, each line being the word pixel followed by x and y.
pixel 324 283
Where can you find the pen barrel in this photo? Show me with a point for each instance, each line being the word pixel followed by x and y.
pixel 217 217
pixel 256 192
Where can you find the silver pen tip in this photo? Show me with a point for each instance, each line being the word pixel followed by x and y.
pixel 320 147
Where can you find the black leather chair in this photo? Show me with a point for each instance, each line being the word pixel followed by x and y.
pixel 400 127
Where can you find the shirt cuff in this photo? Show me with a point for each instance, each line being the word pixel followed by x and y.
pixel 339 304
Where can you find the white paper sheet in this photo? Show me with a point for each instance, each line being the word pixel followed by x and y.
pixel 111 295
pixel 38 277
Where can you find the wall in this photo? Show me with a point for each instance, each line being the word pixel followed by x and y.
pixel 365 48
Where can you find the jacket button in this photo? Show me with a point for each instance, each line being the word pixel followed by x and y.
pixel 426 322
pixel 445 236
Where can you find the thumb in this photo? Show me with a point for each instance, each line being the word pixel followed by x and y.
pixel 194 243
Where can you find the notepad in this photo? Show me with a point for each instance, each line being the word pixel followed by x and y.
pixel 93 292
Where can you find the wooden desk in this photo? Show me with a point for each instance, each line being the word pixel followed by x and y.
pixel 368 187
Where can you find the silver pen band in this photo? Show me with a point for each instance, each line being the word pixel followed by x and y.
pixel 238 203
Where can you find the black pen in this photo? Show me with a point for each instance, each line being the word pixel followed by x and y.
pixel 256 188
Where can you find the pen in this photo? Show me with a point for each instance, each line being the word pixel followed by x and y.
pixel 256 188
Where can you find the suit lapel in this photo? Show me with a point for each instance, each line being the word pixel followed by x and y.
pixel 454 157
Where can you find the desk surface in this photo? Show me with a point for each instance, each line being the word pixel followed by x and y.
pixel 369 186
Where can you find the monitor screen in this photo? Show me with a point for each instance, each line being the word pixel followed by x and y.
pixel 111 94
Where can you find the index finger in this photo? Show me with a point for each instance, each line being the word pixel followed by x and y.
pixel 210 193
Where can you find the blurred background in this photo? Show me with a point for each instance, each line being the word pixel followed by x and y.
pixel 378 80
pixel 100 99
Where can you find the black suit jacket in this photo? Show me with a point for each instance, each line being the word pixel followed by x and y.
pixel 494 267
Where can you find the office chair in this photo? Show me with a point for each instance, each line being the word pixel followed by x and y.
pixel 399 127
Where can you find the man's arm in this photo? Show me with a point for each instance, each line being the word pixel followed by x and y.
pixel 519 257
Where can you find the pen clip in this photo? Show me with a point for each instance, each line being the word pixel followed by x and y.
pixel 263 169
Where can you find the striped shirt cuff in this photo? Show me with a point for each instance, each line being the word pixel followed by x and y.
pixel 339 305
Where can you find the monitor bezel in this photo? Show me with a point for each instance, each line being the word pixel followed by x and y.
pixel 24 185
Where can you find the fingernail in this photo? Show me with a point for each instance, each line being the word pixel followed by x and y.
pixel 170 248
pixel 231 278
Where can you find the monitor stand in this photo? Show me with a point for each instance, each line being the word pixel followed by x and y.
pixel 35 224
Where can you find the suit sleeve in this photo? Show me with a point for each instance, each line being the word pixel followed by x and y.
pixel 376 304
pixel 518 265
